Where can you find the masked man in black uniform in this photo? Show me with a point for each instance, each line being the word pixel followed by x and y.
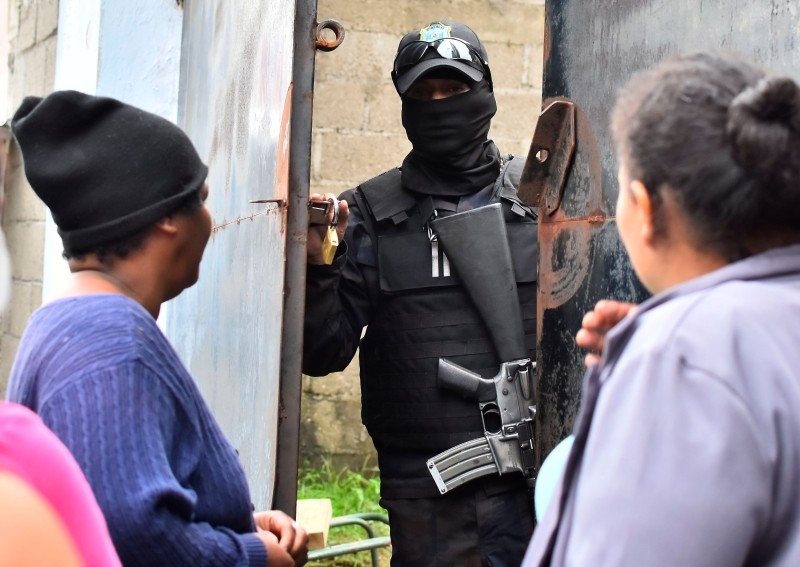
pixel 389 276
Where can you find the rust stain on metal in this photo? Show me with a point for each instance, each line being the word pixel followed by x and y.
pixel 238 220
pixel 282 163
pixel 598 217
pixel 564 248
pixel 284 139
pixel 591 218
pixel 547 44
pixel 565 240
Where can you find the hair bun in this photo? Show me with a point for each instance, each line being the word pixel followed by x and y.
pixel 764 127
pixel 772 99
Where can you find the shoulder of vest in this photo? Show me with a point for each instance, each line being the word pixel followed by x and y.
pixel 512 173
pixel 385 195
pixel 508 182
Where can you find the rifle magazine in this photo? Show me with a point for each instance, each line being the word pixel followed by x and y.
pixel 461 464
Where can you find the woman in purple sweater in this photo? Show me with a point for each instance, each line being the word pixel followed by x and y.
pixel 126 190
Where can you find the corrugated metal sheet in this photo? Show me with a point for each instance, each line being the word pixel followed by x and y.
pixel 235 101
pixel 591 49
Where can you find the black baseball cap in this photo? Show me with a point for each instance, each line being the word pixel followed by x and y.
pixel 428 48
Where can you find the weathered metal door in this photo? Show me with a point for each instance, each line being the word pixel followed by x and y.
pixel 591 49
pixel 235 104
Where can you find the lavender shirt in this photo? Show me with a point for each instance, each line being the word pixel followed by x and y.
pixel 691 454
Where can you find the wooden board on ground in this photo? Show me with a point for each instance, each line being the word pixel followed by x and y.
pixel 315 514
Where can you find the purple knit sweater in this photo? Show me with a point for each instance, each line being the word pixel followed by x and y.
pixel 103 377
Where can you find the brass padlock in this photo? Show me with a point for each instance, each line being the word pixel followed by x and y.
pixel 331 241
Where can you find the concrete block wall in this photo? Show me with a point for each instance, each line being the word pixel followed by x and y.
pixel 357 134
pixel 32 26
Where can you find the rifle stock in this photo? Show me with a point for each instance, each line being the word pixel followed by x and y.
pixel 476 245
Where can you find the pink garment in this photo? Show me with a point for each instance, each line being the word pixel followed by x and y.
pixel 29 450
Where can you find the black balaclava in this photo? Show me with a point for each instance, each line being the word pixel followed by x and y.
pixel 451 155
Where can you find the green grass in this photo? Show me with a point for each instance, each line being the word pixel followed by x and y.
pixel 350 493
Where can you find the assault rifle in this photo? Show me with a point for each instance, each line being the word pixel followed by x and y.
pixel 476 246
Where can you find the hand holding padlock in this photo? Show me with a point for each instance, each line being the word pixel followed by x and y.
pixel 328 218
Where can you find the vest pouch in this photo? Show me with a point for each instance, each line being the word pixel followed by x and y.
pixel 408 261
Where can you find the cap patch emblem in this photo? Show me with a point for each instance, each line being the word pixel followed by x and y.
pixel 436 30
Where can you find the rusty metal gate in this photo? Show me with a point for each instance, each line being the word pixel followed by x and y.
pixel 239 328
pixel 591 49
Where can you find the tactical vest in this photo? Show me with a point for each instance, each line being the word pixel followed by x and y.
pixel 424 314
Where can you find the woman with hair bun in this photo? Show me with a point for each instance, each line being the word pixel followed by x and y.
pixel 687 446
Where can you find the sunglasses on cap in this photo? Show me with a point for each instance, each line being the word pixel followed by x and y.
pixel 447 48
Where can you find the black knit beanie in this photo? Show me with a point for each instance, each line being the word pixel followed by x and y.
pixel 105 169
